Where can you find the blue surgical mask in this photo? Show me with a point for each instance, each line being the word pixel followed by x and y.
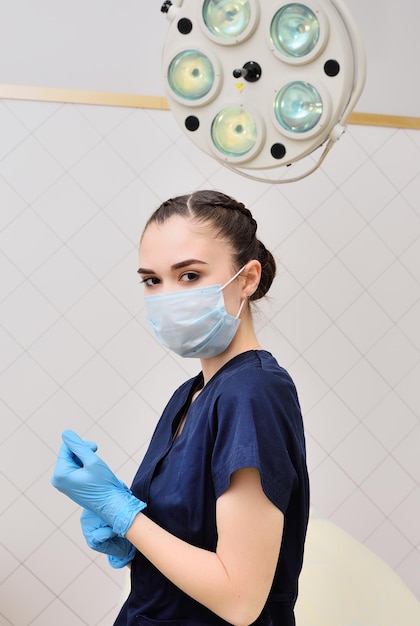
pixel 193 322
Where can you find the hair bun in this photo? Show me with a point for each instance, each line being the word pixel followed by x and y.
pixel 268 271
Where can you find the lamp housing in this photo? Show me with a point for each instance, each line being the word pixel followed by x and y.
pixel 283 77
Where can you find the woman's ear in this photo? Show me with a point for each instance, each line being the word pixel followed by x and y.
pixel 252 275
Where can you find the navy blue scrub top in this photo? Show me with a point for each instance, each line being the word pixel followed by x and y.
pixel 247 415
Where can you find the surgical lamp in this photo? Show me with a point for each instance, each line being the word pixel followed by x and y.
pixel 262 84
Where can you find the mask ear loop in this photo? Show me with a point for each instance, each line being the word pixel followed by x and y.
pixel 228 283
pixel 241 307
pixel 233 278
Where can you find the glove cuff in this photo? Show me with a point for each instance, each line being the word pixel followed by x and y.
pixel 127 513
pixel 118 563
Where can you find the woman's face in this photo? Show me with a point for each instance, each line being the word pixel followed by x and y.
pixel 180 254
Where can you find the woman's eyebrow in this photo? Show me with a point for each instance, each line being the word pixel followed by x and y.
pixel 175 266
pixel 181 264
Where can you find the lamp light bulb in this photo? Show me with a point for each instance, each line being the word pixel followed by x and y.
pixel 226 19
pixel 234 132
pixel 191 75
pixel 298 107
pixel 295 30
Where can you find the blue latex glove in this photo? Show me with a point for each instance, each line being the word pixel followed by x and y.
pixel 100 537
pixel 82 476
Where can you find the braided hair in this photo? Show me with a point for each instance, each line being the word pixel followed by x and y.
pixel 232 221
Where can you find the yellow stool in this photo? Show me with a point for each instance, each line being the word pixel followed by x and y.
pixel 343 583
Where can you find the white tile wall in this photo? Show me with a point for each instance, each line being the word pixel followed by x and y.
pixel 76 186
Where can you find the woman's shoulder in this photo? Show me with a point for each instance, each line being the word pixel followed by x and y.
pixel 252 369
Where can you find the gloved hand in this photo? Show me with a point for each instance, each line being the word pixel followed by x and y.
pixel 100 537
pixel 82 476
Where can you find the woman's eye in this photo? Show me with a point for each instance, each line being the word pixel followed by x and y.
pixel 150 281
pixel 189 276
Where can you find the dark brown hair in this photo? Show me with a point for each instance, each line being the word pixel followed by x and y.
pixel 232 221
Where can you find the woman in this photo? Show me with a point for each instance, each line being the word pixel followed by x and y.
pixel 215 521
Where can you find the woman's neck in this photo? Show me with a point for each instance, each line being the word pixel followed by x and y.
pixel 242 342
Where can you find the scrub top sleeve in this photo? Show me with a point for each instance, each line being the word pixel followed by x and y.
pixel 253 431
